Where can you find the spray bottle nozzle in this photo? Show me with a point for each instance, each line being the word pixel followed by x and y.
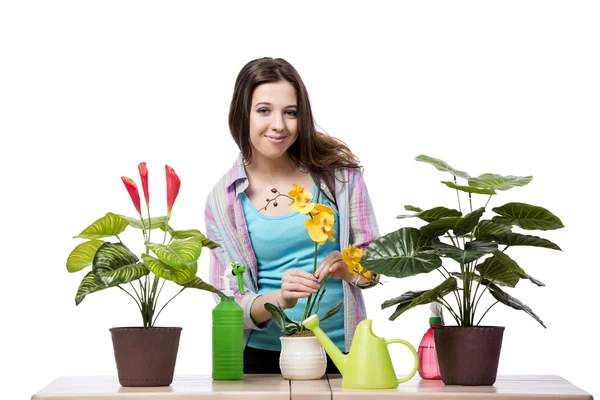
pixel 436 314
pixel 234 269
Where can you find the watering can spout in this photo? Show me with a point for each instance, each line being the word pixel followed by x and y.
pixel 338 358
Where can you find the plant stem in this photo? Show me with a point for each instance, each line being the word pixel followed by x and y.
pixel 450 310
pixel 317 294
pixel 457 196
pixel 166 227
pixel 134 299
pixel 486 311
pixel 163 307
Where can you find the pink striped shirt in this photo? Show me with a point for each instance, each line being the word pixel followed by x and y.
pixel 226 225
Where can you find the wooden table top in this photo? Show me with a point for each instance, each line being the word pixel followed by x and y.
pixel 513 387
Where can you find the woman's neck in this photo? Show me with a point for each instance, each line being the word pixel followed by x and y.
pixel 272 168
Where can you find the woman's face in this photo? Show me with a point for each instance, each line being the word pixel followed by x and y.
pixel 273 123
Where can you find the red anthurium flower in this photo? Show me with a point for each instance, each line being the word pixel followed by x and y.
pixel 133 192
pixel 144 175
pixel 173 184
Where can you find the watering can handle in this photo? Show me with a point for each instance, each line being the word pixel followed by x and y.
pixel 404 342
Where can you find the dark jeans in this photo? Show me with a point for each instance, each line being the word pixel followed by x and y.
pixel 258 361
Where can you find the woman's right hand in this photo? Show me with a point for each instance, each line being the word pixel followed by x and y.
pixel 296 284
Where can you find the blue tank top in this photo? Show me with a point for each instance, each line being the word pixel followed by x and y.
pixel 280 243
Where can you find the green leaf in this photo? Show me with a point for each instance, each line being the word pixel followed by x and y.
pixel 513 302
pixel 109 225
pixel 468 189
pixel 332 311
pixel 114 264
pixel 195 233
pixel 179 253
pixel 178 274
pixel 473 251
pixel 152 223
pixel 412 208
pixel 407 297
pixel 526 217
pixel 402 253
pixel 434 214
pixel 486 228
pixel 446 287
pixel 460 226
pixel 517 239
pixel 277 314
pixel 197 283
pixel 442 166
pixel 87 286
pixel 501 268
pixel 499 182
pixel 82 255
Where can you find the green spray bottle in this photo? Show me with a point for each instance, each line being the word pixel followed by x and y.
pixel 228 330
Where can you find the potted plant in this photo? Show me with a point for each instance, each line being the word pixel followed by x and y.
pixel 477 247
pixel 302 355
pixel 146 355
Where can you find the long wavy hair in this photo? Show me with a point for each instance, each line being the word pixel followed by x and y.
pixel 318 152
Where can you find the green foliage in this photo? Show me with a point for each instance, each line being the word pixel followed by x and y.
pixel 477 245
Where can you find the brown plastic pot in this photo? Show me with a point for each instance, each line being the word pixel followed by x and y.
pixel 468 356
pixel 145 356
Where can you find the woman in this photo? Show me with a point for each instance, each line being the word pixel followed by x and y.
pixel 271 121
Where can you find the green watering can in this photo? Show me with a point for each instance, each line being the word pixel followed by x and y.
pixel 368 365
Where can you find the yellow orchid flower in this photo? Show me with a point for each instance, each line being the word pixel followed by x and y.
pixel 302 203
pixel 352 256
pixel 319 208
pixel 320 227
pixel 295 191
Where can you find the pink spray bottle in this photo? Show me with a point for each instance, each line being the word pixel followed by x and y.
pixel 428 361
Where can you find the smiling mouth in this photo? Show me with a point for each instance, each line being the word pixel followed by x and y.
pixel 276 139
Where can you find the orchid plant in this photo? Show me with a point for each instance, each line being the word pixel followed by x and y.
pixel 115 265
pixel 320 227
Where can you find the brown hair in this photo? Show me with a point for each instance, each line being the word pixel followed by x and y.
pixel 320 153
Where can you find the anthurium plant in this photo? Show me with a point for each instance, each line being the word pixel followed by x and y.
pixel 173 256
pixel 474 245
pixel 320 229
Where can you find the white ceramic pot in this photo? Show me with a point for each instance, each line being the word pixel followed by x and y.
pixel 302 358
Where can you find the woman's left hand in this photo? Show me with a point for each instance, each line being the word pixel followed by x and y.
pixel 336 270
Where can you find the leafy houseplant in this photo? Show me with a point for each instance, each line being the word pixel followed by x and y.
pixel 115 265
pixel 477 246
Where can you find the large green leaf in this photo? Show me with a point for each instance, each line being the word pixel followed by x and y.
pixel 460 225
pixel 332 311
pixel 114 264
pixel 434 214
pixel 473 251
pixel 527 217
pixel 402 253
pixel 446 287
pixel 486 228
pixel 152 223
pixel 87 286
pixel 83 255
pixel 501 268
pixel 469 189
pixel 517 239
pixel 499 182
pixel 442 166
pixel 195 233
pixel 179 274
pixel 197 283
pixel 109 225
pixel 179 253
pixel 406 297
pixel 513 302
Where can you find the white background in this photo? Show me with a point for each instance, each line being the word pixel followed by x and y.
pixel 90 89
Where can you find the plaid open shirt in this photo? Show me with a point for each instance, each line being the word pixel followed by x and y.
pixel 226 226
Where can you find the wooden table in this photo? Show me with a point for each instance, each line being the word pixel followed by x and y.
pixel 513 387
